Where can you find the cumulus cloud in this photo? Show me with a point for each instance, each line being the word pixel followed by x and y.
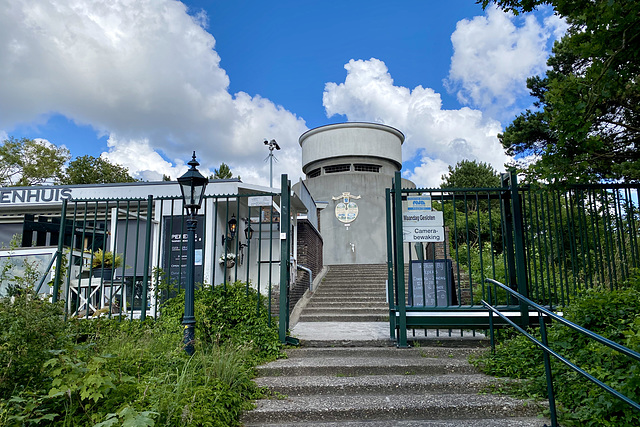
pixel 144 72
pixel 493 57
pixel 435 137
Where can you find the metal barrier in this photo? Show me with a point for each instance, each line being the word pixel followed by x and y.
pixel 547 243
pixel 145 242
pixel 546 314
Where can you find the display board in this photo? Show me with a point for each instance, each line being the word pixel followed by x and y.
pixel 175 250
pixel 432 284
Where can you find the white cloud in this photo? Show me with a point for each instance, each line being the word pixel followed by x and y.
pixel 429 173
pixel 493 57
pixel 435 137
pixel 145 73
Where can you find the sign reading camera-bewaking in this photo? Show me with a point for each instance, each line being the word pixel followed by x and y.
pixel 420 223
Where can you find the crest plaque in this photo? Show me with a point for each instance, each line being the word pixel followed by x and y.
pixel 346 210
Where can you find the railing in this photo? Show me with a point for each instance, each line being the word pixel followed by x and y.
pixel 544 313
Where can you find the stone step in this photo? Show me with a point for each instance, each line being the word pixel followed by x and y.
pixel 380 304
pixel 380 384
pixel 351 366
pixel 391 352
pixel 352 285
pixel 512 422
pixel 347 309
pixel 343 317
pixel 389 407
pixel 364 299
pixel 350 291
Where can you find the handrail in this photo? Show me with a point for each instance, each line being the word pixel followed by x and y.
pixel 46 271
pixel 544 312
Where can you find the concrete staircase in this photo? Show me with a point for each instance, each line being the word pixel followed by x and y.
pixel 385 386
pixel 348 372
pixel 350 293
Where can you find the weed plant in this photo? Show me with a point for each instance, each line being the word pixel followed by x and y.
pixel 105 372
pixel 614 314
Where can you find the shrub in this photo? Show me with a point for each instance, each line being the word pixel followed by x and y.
pixel 104 372
pixel 612 314
pixel 31 327
pixel 229 314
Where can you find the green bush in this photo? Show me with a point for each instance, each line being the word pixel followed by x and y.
pixel 229 314
pixel 106 372
pixel 30 328
pixel 612 314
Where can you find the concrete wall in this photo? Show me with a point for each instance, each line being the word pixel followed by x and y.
pixel 351 139
pixel 362 241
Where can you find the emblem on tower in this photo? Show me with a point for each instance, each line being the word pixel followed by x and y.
pixel 346 210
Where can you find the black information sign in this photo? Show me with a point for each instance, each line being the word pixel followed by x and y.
pixel 175 250
pixel 430 281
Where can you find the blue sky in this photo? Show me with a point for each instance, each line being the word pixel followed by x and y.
pixel 145 82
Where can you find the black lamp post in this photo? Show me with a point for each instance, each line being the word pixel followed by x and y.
pixel 192 186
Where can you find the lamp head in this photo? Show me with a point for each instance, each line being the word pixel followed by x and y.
pixel 192 186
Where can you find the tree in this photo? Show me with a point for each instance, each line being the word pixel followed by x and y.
pixel 95 170
pixel 25 162
pixel 223 173
pixel 587 122
pixel 471 174
pixel 481 217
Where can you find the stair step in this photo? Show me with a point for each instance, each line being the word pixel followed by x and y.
pixel 381 305
pixel 435 352
pixel 512 422
pixel 341 366
pixel 389 407
pixel 343 318
pixel 379 384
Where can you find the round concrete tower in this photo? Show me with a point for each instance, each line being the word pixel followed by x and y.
pixel 348 166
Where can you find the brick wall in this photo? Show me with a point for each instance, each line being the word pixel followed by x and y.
pixel 310 256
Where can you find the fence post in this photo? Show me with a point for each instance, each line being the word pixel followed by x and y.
pixel 508 233
pixel 284 258
pixel 518 237
pixel 390 292
pixel 548 373
pixel 57 277
pixel 145 279
pixel 401 307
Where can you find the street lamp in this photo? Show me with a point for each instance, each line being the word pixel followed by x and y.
pixel 192 186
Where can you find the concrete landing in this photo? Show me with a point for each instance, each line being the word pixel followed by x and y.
pixel 371 333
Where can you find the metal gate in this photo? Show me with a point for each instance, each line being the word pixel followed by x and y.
pixel 547 244
pixel 240 237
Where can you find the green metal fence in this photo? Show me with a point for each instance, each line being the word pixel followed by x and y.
pixel 237 239
pixel 547 244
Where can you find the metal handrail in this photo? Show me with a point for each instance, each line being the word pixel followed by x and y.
pixel 544 312
pixel 46 271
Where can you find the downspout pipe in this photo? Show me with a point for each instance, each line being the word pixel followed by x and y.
pixel 300 267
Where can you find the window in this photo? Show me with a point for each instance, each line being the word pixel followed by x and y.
pixel 314 173
pixel 361 167
pixel 337 168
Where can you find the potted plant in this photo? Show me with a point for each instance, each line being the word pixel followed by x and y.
pixel 229 261
pixel 104 263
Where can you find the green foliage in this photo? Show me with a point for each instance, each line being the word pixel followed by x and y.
pixel 103 372
pixel 27 161
pixel 95 170
pixel 30 328
pixel 612 314
pixel 471 174
pixel 228 314
pixel 106 259
pixel 223 173
pixel 586 126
